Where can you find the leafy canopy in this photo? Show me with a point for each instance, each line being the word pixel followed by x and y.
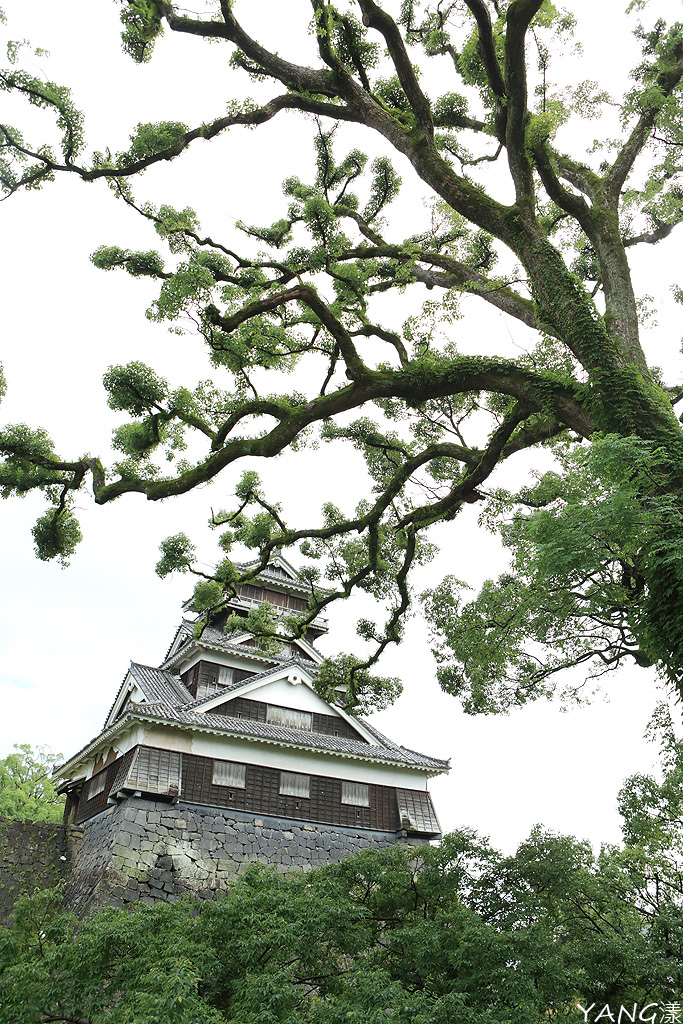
pixel 454 932
pixel 26 787
pixel 477 98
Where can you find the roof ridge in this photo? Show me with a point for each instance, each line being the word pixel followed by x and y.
pixel 159 675
pixel 273 733
pixel 376 732
pixel 221 642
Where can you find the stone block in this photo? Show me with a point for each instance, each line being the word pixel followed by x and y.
pixel 136 829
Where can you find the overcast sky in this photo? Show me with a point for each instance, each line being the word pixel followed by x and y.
pixel 67 636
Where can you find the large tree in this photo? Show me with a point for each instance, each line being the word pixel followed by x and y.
pixel 26 786
pixel 456 933
pixel 467 93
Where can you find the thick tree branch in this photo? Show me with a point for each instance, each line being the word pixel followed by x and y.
pixel 295 76
pixel 466 489
pixel 519 16
pixel 651 237
pixel 300 293
pixel 578 175
pixel 458 275
pixel 375 17
pixel 575 206
pixel 415 383
pixel 210 131
pixel 488 47
pixel 666 82
pixel 374 331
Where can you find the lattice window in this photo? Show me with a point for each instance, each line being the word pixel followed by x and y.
pixel 292 784
pixel 156 771
pixel 290 718
pixel 97 784
pixel 416 811
pixel 355 793
pixel 228 773
pixel 225 675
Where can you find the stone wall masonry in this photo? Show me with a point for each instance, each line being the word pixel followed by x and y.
pixel 33 855
pixel 146 850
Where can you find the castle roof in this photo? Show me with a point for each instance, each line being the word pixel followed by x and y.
pixel 246 727
pixel 232 692
pixel 215 639
pixel 166 700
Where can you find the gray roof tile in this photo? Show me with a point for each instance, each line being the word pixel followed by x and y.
pixel 167 699
pixel 159 685
pixel 298 737
pixel 212 637
pixel 215 638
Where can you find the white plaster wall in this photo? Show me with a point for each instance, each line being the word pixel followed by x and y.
pixel 308 762
pixel 290 695
pixel 168 739
pixel 270 755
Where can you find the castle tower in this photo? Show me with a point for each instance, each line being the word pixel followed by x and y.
pixel 224 754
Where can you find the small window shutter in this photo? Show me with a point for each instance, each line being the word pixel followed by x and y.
pixel 292 784
pixel 416 811
pixel 356 793
pixel 290 718
pixel 97 784
pixel 225 675
pixel 228 773
pixel 155 771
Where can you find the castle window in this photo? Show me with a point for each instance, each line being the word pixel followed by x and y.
pixel 97 784
pixel 214 680
pixel 208 689
pixel 355 793
pixel 292 784
pixel 156 771
pixel 228 773
pixel 290 718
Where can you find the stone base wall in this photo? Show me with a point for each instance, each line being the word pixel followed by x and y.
pixel 33 855
pixel 146 850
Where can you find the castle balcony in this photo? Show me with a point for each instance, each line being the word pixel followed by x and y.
pixel 245 603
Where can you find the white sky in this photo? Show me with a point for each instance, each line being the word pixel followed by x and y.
pixel 66 636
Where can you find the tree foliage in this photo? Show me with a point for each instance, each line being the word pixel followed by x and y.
pixel 26 787
pixel 454 932
pixel 596 576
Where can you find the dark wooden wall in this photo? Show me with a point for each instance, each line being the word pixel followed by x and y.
pixel 261 794
pixel 330 725
pixel 207 672
pixel 87 808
